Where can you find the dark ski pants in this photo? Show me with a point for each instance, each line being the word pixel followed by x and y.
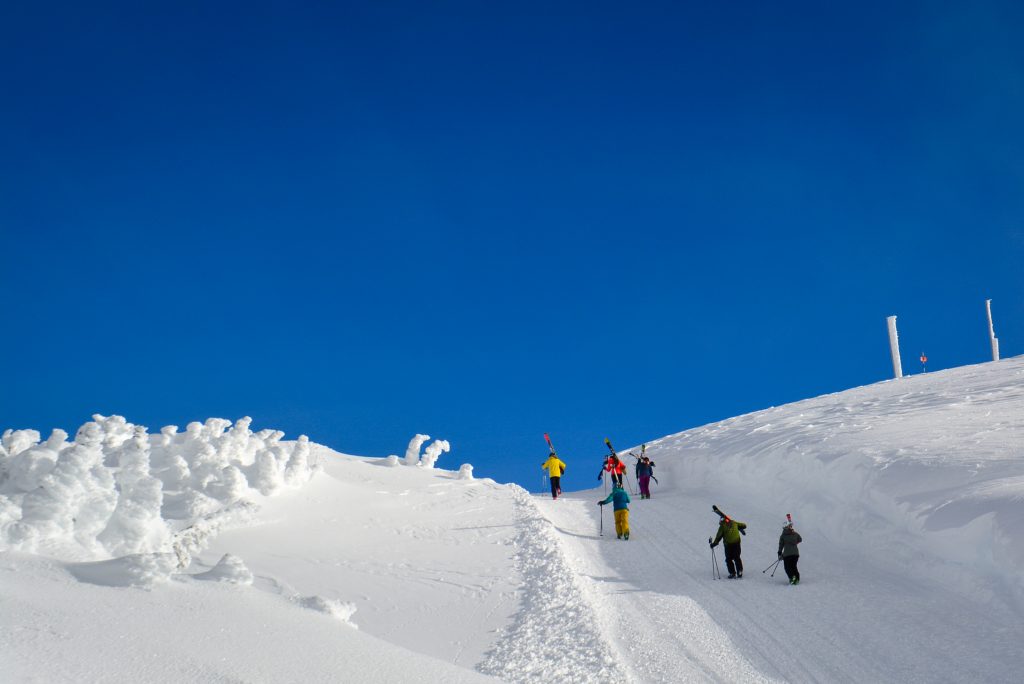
pixel 789 562
pixel 732 558
pixel 556 486
pixel 645 485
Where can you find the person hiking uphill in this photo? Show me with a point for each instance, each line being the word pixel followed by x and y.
pixel 788 551
pixel 620 503
pixel 555 469
pixel 644 473
pixel 729 532
pixel 613 465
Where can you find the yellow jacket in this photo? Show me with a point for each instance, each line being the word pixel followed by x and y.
pixel 554 465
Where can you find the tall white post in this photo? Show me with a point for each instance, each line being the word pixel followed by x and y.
pixel 991 331
pixel 894 347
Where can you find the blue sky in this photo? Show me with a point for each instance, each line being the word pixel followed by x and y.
pixel 486 222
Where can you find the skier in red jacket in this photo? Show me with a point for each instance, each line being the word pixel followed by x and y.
pixel 613 465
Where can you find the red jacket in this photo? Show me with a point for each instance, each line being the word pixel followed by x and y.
pixel 614 465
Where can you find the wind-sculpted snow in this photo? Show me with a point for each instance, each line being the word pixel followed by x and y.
pixel 117 491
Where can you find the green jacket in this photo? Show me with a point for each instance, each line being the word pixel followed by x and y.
pixel 729 531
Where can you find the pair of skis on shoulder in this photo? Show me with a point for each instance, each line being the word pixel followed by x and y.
pixel 723 516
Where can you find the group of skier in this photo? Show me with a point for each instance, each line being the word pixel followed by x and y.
pixel 729 530
pixel 729 533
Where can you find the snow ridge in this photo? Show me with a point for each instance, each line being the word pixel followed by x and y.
pixel 556 636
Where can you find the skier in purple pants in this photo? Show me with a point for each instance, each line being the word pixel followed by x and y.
pixel 644 473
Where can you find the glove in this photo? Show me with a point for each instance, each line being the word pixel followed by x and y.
pixel 598 478
pixel 743 532
pixel 712 544
pixel 600 503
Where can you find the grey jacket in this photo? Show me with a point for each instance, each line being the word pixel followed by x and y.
pixel 788 541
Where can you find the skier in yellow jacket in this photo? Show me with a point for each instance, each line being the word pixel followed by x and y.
pixel 555 468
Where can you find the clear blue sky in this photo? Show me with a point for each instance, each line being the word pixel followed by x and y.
pixel 486 221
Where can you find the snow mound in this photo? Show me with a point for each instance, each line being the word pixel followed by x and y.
pixel 336 609
pixel 143 570
pixel 229 569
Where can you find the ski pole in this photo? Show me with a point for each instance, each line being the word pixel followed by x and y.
pixel 714 563
pixel 602 521
pixel 772 567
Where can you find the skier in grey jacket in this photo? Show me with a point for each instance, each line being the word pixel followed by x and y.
pixel 789 553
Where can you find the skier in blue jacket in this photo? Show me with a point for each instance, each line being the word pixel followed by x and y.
pixel 619 499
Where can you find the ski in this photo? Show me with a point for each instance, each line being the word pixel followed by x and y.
pixel 610 447
pixel 789 518
pixel 717 510
pixel 550 445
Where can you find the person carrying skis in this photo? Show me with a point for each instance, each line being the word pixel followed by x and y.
pixel 555 469
pixel 619 499
pixel 788 551
pixel 729 531
pixel 644 473
pixel 613 465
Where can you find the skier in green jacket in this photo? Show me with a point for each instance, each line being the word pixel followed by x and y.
pixel 729 531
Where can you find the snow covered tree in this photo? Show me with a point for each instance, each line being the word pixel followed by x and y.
pixel 412 452
pixel 432 452
pixel 136 525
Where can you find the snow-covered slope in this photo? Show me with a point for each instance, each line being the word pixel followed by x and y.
pixel 909 496
pixel 221 554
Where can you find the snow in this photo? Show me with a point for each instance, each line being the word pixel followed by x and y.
pixel 224 554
